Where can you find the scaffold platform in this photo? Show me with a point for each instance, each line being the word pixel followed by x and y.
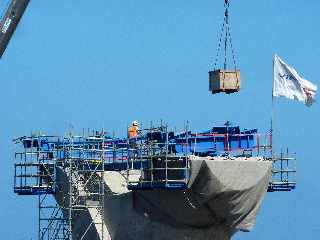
pixel 159 157
pixel 283 173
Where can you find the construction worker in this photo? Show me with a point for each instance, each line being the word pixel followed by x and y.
pixel 133 130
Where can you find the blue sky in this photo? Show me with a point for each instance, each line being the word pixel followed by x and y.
pixel 94 64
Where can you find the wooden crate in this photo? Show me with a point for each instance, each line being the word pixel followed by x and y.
pixel 224 81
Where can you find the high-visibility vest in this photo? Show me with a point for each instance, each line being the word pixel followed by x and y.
pixel 133 132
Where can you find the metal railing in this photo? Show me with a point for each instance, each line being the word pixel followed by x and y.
pixel 284 173
pixel 150 165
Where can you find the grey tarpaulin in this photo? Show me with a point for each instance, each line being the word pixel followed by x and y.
pixel 223 197
pixel 221 192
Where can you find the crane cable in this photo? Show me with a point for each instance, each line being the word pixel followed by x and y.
pixel 226 33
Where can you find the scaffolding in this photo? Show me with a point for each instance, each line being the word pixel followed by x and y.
pixel 152 163
pixel 284 172
pixel 35 174
pixel 79 189
pixel 67 173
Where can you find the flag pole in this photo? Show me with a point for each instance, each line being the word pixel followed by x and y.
pixel 272 109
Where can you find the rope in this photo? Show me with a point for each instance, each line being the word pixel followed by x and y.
pixel 232 50
pixel 219 44
pixel 225 31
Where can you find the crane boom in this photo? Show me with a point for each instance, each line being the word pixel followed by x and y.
pixel 10 21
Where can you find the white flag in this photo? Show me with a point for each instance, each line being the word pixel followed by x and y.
pixel 288 83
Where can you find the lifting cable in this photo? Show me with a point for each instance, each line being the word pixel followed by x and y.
pixel 225 34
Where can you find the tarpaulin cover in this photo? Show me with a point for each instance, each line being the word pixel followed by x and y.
pixel 223 197
pixel 221 192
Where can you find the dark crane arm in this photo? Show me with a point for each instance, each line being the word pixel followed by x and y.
pixel 10 22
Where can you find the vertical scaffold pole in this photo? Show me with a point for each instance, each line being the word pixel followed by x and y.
pixel 102 184
pixel 166 155
pixel 70 164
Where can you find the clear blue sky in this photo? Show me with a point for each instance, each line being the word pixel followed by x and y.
pixel 102 63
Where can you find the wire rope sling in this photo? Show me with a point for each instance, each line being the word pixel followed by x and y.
pixel 224 79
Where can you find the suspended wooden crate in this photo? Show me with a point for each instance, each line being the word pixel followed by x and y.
pixel 226 81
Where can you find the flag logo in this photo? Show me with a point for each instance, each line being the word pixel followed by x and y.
pixel 288 83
